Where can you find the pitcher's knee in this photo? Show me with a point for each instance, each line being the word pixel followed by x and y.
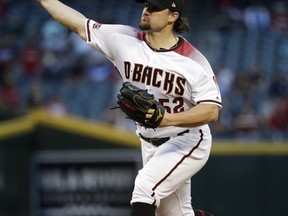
pixel 143 192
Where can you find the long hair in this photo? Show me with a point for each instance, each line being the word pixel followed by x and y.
pixel 181 25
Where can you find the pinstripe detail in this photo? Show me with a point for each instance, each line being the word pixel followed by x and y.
pixel 88 31
pixel 154 203
pixel 175 167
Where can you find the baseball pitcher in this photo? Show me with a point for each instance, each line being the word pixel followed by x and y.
pixel 169 90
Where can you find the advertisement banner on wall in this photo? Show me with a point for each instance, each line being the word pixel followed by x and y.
pixel 86 183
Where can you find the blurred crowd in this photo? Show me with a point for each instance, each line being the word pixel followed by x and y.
pixel 252 15
pixel 255 102
pixel 37 53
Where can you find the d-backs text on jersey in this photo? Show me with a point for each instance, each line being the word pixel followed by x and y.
pixel 155 77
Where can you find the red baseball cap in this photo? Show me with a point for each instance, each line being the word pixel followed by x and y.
pixel 173 5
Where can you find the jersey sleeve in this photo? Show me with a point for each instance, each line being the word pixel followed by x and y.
pixel 203 82
pixel 206 90
pixel 103 37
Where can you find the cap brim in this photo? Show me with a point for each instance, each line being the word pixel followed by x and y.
pixel 154 2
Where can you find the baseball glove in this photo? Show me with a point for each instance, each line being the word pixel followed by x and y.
pixel 136 102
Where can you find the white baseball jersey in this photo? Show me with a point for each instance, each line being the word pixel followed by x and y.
pixel 179 78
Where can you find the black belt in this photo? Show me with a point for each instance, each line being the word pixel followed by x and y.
pixel 159 141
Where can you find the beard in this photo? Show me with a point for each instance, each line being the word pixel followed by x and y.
pixel 144 26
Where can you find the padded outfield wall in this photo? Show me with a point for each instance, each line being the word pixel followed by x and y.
pixel 55 166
